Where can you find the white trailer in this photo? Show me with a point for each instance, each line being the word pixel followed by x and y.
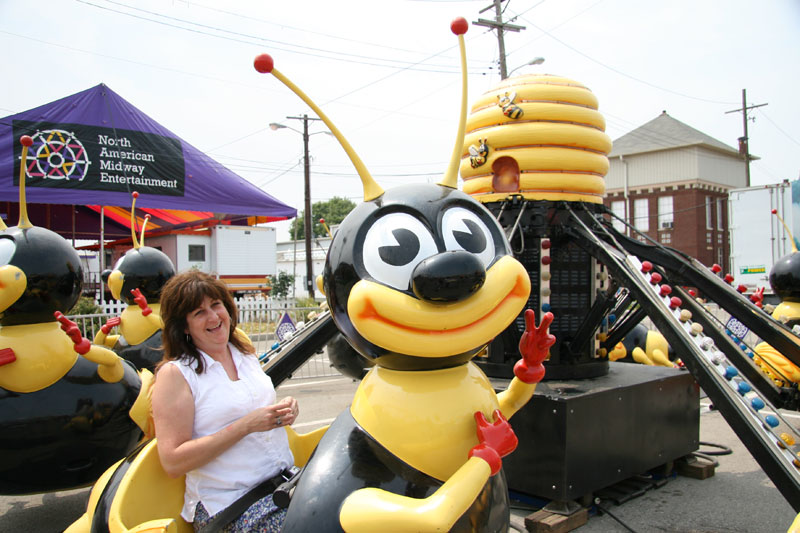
pixel 758 239
pixel 242 256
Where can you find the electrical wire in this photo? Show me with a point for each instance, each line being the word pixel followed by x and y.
pixel 303 30
pixel 554 27
pixel 623 73
pixel 612 515
pixel 721 449
pixel 763 114
pixel 279 45
pixel 140 63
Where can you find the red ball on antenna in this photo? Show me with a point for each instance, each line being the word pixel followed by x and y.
pixel 26 140
pixel 135 194
pixel 322 221
pixel 774 211
pixel 459 26
pixel 263 63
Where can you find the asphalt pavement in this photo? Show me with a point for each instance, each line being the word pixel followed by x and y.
pixel 738 498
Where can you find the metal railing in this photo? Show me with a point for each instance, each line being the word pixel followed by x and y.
pixel 258 320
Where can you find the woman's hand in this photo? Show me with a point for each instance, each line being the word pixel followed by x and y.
pixel 283 413
pixel 293 411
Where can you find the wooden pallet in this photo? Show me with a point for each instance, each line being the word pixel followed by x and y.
pixel 546 522
pixel 691 466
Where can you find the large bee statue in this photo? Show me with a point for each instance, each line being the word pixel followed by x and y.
pixel 137 278
pixel 419 279
pixel 64 403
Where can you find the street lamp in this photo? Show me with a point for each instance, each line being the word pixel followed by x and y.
pixel 534 61
pixel 274 126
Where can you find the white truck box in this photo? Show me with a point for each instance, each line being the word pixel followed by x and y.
pixel 758 239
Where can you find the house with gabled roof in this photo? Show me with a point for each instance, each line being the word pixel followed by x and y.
pixel 671 182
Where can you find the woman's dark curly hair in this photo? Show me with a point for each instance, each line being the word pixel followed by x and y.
pixel 182 294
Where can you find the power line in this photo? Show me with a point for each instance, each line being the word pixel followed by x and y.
pixel 222 80
pixel 279 45
pixel 573 17
pixel 778 127
pixel 623 73
pixel 306 30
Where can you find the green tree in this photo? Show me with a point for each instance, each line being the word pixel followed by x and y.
pixel 281 283
pixel 85 306
pixel 333 211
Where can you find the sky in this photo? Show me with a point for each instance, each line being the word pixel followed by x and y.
pixel 387 73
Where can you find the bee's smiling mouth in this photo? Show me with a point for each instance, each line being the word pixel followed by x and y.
pixel 404 324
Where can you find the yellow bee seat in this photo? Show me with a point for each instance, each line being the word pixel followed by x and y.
pixel 146 498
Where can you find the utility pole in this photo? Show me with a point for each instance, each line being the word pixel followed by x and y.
pixel 294 260
pixel 307 208
pixel 501 27
pixel 744 142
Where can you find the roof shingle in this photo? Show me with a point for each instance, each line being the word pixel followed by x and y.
pixel 664 133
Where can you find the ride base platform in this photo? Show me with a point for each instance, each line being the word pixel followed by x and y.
pixel 579 436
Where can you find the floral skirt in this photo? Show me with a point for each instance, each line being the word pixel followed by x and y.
pixel 263 516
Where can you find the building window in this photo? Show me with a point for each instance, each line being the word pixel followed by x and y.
pixel 709 240
pixel 709 222
pixel 719 239
pixel 719 214
pixel 641 216
pixel 665 237
pixel 665 210
pixel 618 208
pixel 720 258
pixel 197 252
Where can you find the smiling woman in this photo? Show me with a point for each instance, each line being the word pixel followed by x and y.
pixel 214 409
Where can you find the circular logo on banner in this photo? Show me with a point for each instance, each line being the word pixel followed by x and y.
pixel 57 155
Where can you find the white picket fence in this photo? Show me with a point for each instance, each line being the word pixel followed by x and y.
pixel 257 317
pixel 256 305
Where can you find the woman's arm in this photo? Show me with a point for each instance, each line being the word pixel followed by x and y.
pixel 173 415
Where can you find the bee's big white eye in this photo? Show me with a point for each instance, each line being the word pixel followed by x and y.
pixel 463 229
pixel 393 247
pixel 7 249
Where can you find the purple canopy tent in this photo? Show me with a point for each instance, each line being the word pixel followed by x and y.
pixel 94 148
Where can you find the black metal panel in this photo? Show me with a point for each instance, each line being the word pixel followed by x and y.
pixel 571 293
pixel 579 436
pixel 289 356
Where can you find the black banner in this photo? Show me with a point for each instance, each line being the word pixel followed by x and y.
pixel 74 156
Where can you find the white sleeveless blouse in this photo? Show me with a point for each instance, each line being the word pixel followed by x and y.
pixel 218 402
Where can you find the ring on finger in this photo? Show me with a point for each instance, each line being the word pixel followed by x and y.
pixel 278 420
